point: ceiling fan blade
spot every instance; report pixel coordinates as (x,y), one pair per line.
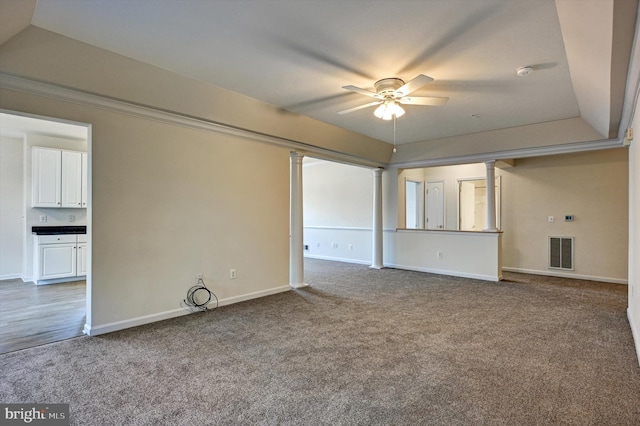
(412,85)
(423,100)
(362,91)
(346,111)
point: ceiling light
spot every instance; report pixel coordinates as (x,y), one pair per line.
(388,110)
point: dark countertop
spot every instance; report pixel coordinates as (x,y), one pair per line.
(57,230)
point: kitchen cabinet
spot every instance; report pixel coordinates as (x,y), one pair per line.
(81,256)
(59,257)
(47,177)
(84,181)
(59,178)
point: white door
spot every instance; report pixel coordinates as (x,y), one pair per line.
(435,205)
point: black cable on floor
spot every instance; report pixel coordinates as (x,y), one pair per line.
(199,296)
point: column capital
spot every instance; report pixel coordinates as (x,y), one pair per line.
(296,156)
(490,164)
(378,171)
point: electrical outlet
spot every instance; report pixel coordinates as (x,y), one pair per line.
(439,255)
(72,218)
(232,274)
(43,218)
(550,219)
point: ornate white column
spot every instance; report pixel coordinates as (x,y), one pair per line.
(296,230)
(491,197)
(376,257)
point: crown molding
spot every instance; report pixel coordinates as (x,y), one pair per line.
(66,94)
(511,154)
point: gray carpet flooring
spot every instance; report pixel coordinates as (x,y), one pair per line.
(359,347)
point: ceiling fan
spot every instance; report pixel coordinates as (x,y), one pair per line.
(391,92)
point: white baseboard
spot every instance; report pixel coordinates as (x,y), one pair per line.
(445,272)
(10,277)
(338,259)
(254,295)
(160,316)
(635,333)
(565,275)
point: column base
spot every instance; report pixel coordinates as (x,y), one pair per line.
(376,267)
(299,285)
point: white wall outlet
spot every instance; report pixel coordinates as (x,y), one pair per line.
(72,218)
(550,219)
(439,255)
(232,274)
(43,218)
(334,245)
(350,246)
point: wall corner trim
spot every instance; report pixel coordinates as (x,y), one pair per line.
(635,333)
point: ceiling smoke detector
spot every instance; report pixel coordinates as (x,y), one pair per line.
(524,71)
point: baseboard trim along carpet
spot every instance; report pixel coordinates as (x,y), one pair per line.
(445,272)
(147,319)
(339,259)
(566,275)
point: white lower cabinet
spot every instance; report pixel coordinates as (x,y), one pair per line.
(81,256)
(59,257)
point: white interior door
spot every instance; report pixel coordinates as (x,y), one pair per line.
(435,205)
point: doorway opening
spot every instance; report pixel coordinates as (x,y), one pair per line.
(35,313)
(414,200)
(472,200)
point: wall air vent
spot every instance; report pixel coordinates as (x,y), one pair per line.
(561,253)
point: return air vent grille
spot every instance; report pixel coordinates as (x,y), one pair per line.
(561,253)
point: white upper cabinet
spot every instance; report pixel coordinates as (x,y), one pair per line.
(71,179)
(84,180)
(47,177)
(59,178)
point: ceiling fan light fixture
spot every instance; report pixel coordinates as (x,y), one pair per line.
(388,110)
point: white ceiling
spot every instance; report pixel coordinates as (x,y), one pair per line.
(297,55)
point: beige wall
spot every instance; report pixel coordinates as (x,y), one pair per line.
(592,186)
(168,203)
(337,195)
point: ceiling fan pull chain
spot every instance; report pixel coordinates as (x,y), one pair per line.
(394,135)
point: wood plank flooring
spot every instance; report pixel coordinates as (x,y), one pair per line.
(32,315)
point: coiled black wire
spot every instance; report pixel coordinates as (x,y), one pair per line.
(199,296)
